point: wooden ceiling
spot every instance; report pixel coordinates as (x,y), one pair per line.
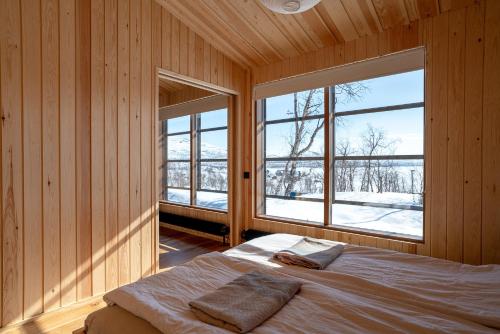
(169,86)
(253,35)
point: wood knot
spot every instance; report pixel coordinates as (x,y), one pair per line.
(479,39)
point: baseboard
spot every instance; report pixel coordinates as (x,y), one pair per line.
(193,232)
(69,316)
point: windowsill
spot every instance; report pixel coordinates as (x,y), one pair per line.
(194,207)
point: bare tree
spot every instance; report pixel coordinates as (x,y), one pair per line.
(302,136)
(304,132)
(374,143)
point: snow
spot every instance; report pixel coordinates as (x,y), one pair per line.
(390,221)
(385,198)
(401,222)
(203,198)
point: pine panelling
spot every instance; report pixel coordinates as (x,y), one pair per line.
(83,151)
(135,139)
(439,102)
(455,173)
(166,23)
(67,127)
(32,135)
(474,55)
(146,133)
(111,140)
(461,139)
(491,136)
(254,36)
(12,162)
(97,147)
(156,137)
(123,143)
(78,142)
(50,154)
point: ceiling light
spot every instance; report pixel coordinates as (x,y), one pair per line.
(289,6)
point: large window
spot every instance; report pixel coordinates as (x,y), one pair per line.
(293,155)
(195,160)
(379,154)
(374,133)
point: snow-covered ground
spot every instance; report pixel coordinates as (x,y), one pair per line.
(386,220)
(385,198)
(203,198)
(393,221)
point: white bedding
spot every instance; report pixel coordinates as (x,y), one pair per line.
(329,301)
(469,292)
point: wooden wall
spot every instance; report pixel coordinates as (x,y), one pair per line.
(182,95)
(78,107)
(462,136)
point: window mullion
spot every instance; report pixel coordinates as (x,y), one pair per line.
(193,161)
(326,158)
(165,159)
(198,151)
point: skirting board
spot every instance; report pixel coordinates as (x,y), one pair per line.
(193,232)
(57,319)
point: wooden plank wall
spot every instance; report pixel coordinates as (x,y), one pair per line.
(462,210)
(77,89)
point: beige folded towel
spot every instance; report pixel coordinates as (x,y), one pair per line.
(311,253)
(246,302)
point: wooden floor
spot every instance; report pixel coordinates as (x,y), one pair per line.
(178,247)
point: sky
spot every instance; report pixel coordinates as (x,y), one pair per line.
(402,127)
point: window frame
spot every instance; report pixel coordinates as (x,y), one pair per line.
(195,161)
(261,160)
(329,163)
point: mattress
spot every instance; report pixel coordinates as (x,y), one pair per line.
(116,320)
(364,290)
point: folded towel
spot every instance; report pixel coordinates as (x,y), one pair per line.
(246,302)
(311,253)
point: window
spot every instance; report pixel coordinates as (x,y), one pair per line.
(195,160)
(176,169)
(375,137)
(211,157)
(378,158)
(293,156)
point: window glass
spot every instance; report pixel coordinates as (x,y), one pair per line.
(178,175)
(285,140)
(211,200)
(213,176)
(211,172)
(395,132)
(281,107)
(179,147)
(293,158)
(371,194)
(380,92)
(179,124)
(213,119)
(213,144)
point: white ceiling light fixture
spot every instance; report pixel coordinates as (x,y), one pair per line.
(289,6)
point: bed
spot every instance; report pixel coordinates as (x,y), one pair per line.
(364,290)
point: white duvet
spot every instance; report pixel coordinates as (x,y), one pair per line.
(465,291)
(330,301)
